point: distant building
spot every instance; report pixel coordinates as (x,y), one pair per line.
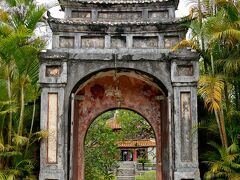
(132,149)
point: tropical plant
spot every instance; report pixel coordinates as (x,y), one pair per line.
(101,151)
(223,162)
(216,37)
(19,49)
(133,125)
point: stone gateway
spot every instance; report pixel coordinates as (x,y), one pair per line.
(111,54)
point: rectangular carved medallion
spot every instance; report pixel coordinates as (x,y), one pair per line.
(145,42)
(118,42)
(66,42)
(170,41)
(52,128)
(120,15)
(184,70)
(81,14)
(53,70)
(186,126)
(93,42)
(158,14)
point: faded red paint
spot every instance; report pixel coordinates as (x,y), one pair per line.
(105,92)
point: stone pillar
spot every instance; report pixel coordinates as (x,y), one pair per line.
(184,75)
(53,77)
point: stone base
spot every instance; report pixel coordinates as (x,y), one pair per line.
(52,175)
(194,174)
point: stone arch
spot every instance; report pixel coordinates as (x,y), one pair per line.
(158,76)
(119,88)
(122,109)
(145,119)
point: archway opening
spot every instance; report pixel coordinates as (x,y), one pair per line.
(120,143)
(117,89)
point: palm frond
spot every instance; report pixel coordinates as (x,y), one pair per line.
(2,147)
(231,65)
(20,140)
(3,176)
(37,136)
(9,110)
(33,16)
(186,43)
(233,148)
(11,3)
(210,88)
(3,16)
(226,34)
(10,154)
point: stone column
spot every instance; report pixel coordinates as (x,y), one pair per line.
(53,77)
(184,75)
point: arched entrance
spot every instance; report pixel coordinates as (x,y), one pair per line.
(119,88)
(119,143)
(91,47)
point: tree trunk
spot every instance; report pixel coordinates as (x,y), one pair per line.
(226,96)
(221,127)
(236,96)
(32,122)
(10,113)
(20,125)
(200,19)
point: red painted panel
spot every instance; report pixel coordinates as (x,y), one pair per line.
(121,91)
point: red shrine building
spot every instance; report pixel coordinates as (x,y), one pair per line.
(131,149)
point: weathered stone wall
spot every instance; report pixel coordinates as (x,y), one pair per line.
(136,41)
(71,70)
(98,41)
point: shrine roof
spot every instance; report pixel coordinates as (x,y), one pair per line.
(137,143)
(113,123)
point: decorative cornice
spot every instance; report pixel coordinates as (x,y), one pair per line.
(78,21)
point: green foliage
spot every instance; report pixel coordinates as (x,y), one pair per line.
(223,163)
(211,88)
(134,126)
(143,160)
(150,175)
(216,37)
(101,151)
(19,49)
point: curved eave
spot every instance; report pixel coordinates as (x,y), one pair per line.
(75,21)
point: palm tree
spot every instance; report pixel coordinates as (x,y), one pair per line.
(19,50)
(216,38)
(18,45)
(224,163)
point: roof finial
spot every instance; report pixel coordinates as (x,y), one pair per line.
(116,114)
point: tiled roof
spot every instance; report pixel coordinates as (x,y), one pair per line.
(117,1)
(137,143)
(113,123)
(77,21)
